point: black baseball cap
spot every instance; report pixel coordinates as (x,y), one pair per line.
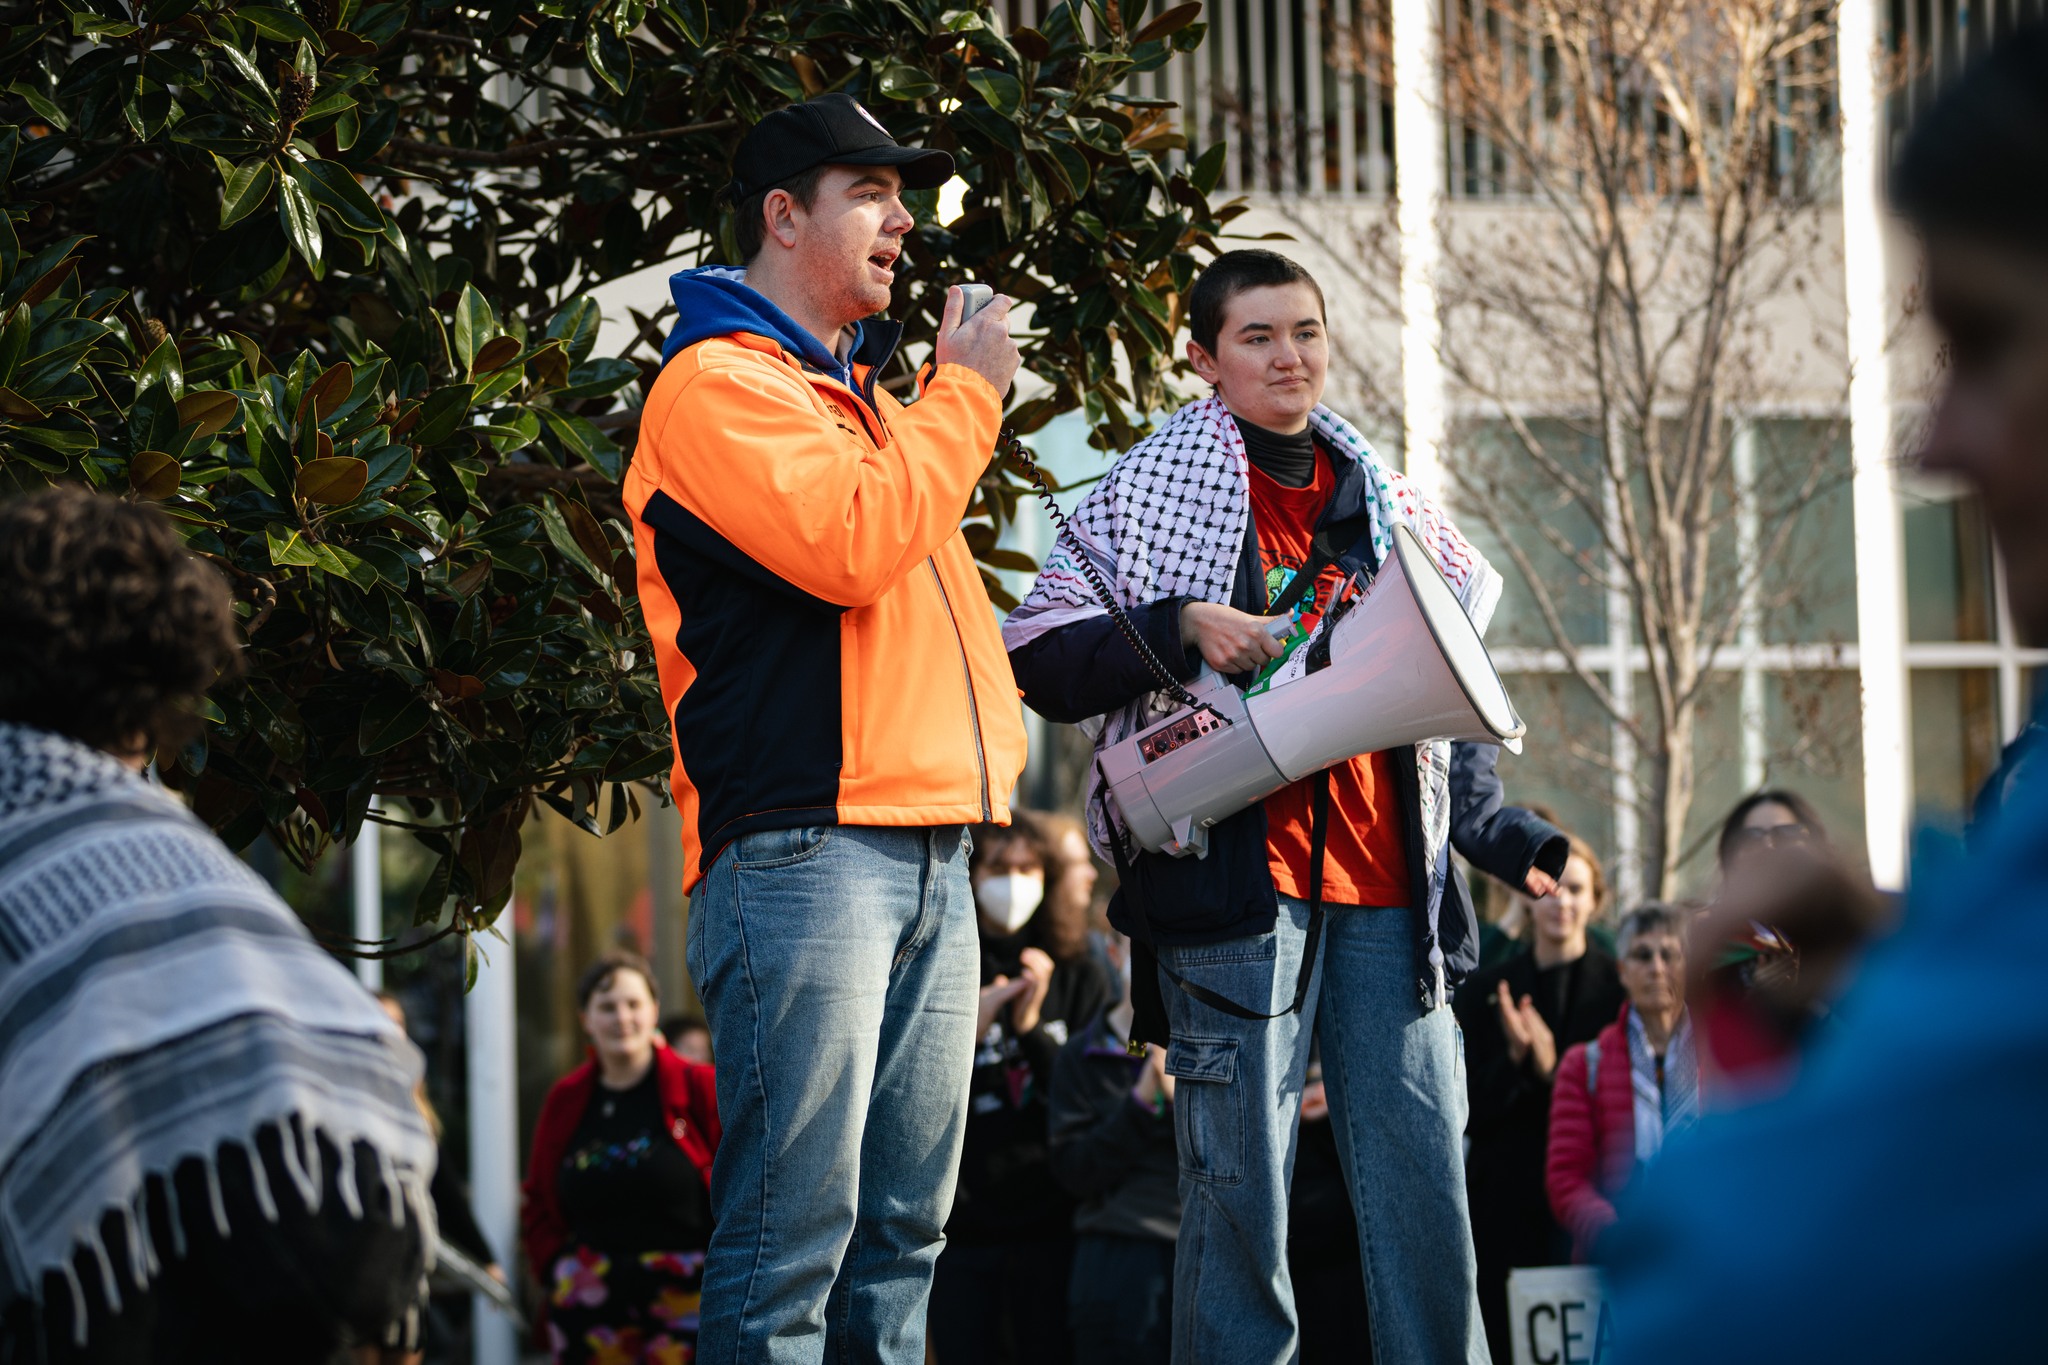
(829,130)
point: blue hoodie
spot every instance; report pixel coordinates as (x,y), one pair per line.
(1892,1206)
(715,301)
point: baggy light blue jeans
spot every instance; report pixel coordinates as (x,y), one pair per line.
(839,969)
(1396,1082)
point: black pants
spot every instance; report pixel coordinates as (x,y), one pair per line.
(1120,1301)
(303,1290)
(1001,1303)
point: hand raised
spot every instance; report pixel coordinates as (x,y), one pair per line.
(1542,1042)
(982,343)
(1511,1023)
(1036,981)
(994,996)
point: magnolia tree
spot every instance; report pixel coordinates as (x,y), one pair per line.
(315,279)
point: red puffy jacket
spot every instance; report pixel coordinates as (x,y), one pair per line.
(1592,1137)
(689,1101)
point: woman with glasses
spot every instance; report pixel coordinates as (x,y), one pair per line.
(1619,1097)
(1768,819)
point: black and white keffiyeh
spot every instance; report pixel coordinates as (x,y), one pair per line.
(1169,520)
(157,1001)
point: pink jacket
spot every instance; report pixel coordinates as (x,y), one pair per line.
(1592,1137)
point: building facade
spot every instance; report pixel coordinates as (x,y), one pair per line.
(1870,665)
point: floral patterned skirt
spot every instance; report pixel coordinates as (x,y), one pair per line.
(625,1309)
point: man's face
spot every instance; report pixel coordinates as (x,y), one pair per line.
(847,242)
(1272,354)
(1990,427)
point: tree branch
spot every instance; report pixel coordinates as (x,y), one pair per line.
(533,152)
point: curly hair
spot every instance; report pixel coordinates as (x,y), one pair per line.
(111,632)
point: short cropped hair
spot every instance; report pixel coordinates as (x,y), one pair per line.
(1230,275)
(599,974)
(750,229)
(1651,917)
(1976,163)
(111,631)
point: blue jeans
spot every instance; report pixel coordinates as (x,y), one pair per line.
(839,968)
(1396,1083)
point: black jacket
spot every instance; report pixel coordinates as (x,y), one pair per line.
(1110,1152)
(1007,1192)
(1510,1105)
(1088,668)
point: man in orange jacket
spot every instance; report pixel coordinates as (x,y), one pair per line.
(842,709)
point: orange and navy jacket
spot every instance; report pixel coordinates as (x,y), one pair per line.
(827,652)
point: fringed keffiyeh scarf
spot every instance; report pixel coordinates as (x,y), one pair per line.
(157,1000)
(1169,520)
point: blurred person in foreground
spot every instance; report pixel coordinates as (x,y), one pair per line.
(1891,1204)
(618,1207)
(1518,1017)
(209,1148)
(1621,1095)
(1112,1148)
(1002,1279)
(842,712)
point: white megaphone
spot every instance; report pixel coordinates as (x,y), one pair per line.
(1405,665)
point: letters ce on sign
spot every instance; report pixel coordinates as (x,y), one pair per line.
(1559,1316)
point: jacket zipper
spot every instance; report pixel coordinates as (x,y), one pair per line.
(967,678)
(863,402)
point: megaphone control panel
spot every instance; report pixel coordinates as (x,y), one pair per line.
(1181,730)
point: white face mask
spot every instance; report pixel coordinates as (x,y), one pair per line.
(1009,900)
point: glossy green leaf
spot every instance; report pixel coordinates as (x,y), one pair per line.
(474,325)
(334,187)
(246,188)
(386,724)
(1002,90)
(904,82)
(281,25)
(301,227)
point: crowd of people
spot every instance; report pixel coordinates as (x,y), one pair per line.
(1581,1059)
(1284,1100)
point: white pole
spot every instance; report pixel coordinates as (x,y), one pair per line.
(1880,583)
(1750,628)
(366,890)
(491,1026)
(1419,192)
(1621,683)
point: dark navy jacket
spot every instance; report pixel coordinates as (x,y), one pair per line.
(1088,668)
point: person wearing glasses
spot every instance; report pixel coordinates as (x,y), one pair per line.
(1621,1096)
(1771,818)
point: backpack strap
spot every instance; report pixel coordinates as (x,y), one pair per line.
(1593,1067)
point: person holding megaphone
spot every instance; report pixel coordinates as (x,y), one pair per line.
(1330,907)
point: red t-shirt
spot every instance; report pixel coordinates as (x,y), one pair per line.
(1364,862)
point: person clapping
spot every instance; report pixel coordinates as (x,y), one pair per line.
(1009,1241)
